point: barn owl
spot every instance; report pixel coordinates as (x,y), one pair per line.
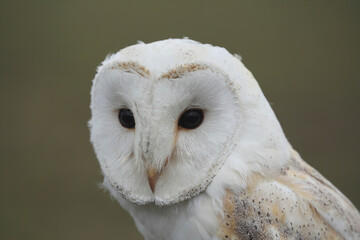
(191,148)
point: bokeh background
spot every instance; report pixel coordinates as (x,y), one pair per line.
(305,55)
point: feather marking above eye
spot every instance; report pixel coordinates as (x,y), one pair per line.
(183,69)
(131,67)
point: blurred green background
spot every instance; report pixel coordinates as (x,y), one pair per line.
(305,55)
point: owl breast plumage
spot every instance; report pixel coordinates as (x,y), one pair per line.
(191,148)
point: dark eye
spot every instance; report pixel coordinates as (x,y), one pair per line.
(191,118)
(126,118)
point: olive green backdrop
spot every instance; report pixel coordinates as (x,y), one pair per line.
(305,55)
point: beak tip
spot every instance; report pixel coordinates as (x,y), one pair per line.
(152,184)
(152,178)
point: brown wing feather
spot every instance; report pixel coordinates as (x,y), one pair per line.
(299,203)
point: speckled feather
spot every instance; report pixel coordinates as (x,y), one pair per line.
(297,203)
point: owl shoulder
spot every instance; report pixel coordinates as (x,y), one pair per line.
(298,203)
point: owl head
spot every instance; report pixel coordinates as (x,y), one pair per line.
(166,117)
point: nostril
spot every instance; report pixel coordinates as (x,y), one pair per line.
(147,146)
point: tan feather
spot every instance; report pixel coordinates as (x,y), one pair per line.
(298,203)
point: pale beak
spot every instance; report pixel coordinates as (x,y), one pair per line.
(153,175)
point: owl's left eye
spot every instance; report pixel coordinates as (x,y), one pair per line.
(191,118)
(126,118)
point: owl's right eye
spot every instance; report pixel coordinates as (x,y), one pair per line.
(191,118)
(126,118)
